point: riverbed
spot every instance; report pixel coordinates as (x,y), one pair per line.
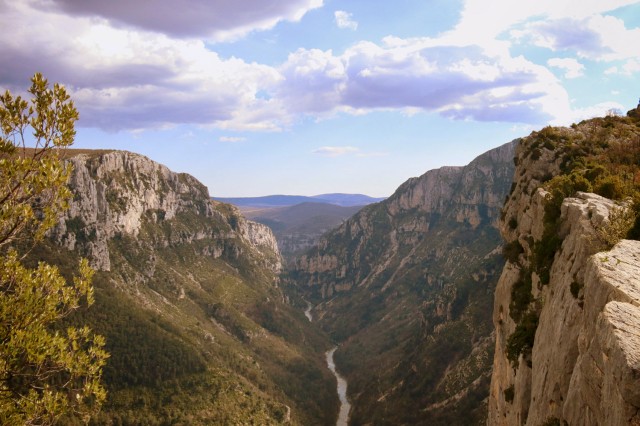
(345,407)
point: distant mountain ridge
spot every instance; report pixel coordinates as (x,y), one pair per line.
(298,227)
(345,200)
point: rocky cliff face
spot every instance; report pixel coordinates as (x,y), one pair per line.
(406,286)
(387,234)
(116,192)
(188,298)
(566,313)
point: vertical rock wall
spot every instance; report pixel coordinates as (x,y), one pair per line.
(584,365)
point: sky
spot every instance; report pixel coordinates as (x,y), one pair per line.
(260,97)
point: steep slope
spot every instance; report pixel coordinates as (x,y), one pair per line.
(567,306)
(405,286)
(298,227)
(188,298)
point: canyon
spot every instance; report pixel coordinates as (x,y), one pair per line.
(501,292)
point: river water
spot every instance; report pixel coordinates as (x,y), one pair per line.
(345,407)
(307,312)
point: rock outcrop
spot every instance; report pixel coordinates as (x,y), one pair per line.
(368,244)
(566,313)
(406,286)
(116,192)
(188,298)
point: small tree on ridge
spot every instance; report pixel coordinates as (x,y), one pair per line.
(45,372)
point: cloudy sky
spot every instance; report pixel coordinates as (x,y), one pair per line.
(257,97)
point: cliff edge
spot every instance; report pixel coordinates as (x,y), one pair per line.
(567,305)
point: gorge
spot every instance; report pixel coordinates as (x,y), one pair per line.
(441,304)
(416,343)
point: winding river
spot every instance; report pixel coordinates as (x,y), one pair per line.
(345,407)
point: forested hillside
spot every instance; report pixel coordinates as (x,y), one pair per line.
(188,299)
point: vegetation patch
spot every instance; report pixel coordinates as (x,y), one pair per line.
(509,393)
(621,220)
(521,296)
(522,339)
(512,251)
(77,226)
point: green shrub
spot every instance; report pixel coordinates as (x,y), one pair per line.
(512,250)
(509,393)
(535,154)
(610,187)
(544,252)
(634,232)
(521,295)
(621,221)
(559,188)
(522,339)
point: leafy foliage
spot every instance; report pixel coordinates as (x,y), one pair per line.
(521,295)
(621,220)
(522,339)
(512,250)
(45,372)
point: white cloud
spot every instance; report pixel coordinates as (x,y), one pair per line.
(335,151)
(632,66)
(611,70)
(232,139)
(124,79)
(345,20)
(217,20)
(629,68)
(572,68)
(598,110)
(461,82)
(482,21)
(597,37)
(312,81)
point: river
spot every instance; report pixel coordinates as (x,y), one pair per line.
(345,407)
(307,312)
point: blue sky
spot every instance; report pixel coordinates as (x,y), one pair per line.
(258,97)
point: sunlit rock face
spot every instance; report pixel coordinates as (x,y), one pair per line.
(116,192)
(584,361)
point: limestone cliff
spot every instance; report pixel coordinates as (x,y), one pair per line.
(189,301)
(117,191)
(406,286)
(567,313)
